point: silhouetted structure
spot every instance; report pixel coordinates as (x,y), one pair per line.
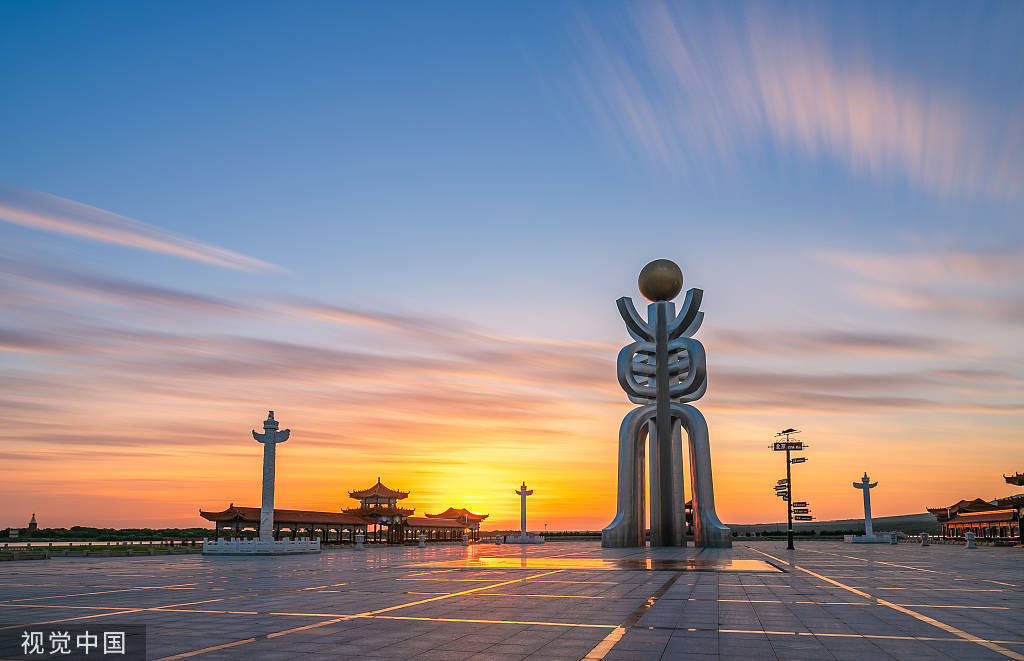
(661,371)
(327,526)
(378,518)
(997,521)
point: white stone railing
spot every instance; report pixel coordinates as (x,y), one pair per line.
(260,547)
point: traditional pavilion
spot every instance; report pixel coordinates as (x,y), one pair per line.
(379,518)
(396,525)
(379,504)
(327,526)
(997,521)
(463,516)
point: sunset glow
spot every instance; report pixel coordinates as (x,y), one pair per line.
(412,252)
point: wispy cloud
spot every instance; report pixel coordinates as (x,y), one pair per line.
(94,287)
(929,268)
(449,409)
(962,284)
(688,87)
(50,213)
(828,342)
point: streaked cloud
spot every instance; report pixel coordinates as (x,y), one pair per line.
(100,288)
(689,85)
(50,213)
(946,267)
(829,342)
(962,284)
(442,407)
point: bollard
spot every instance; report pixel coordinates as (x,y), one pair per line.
(423,541)
(970,540)
(360,538)
(924,539)
(893,539)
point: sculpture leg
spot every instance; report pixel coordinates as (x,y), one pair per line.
(677,535)
(627,529)
(666,475)
(708,530)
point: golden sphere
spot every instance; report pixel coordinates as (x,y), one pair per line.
(661,280)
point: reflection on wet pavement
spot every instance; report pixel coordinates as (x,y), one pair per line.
(662,564)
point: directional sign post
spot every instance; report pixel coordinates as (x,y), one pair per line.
(784,488)
(801,510)
(803,518)
(799,503)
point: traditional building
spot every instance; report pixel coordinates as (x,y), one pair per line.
(964,506)
(378,517)
(327,526)
(463,516)
(379,505)
(998,521)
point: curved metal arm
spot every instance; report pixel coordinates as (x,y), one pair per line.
(638,328)
(694,326)
(687,314)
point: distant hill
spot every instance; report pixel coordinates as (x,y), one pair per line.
(908,523)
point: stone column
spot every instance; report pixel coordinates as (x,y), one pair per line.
(866,485)
(269,438)
(523,493)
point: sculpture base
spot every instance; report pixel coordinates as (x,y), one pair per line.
(260,547)
(865,539)
(527,539)
(719,539)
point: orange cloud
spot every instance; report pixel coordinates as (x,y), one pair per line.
(108,421)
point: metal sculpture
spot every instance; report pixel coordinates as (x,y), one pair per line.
(662,370)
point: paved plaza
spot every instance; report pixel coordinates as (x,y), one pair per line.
(570,600)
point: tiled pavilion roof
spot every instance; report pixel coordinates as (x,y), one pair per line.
(433,522)
(378,490)
(376,512)
(984,517)
(459,514)
(252,514)
(976,505)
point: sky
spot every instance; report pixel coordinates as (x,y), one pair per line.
(404,226)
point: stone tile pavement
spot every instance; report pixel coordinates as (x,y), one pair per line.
(571,600)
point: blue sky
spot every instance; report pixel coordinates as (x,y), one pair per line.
(843,180)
